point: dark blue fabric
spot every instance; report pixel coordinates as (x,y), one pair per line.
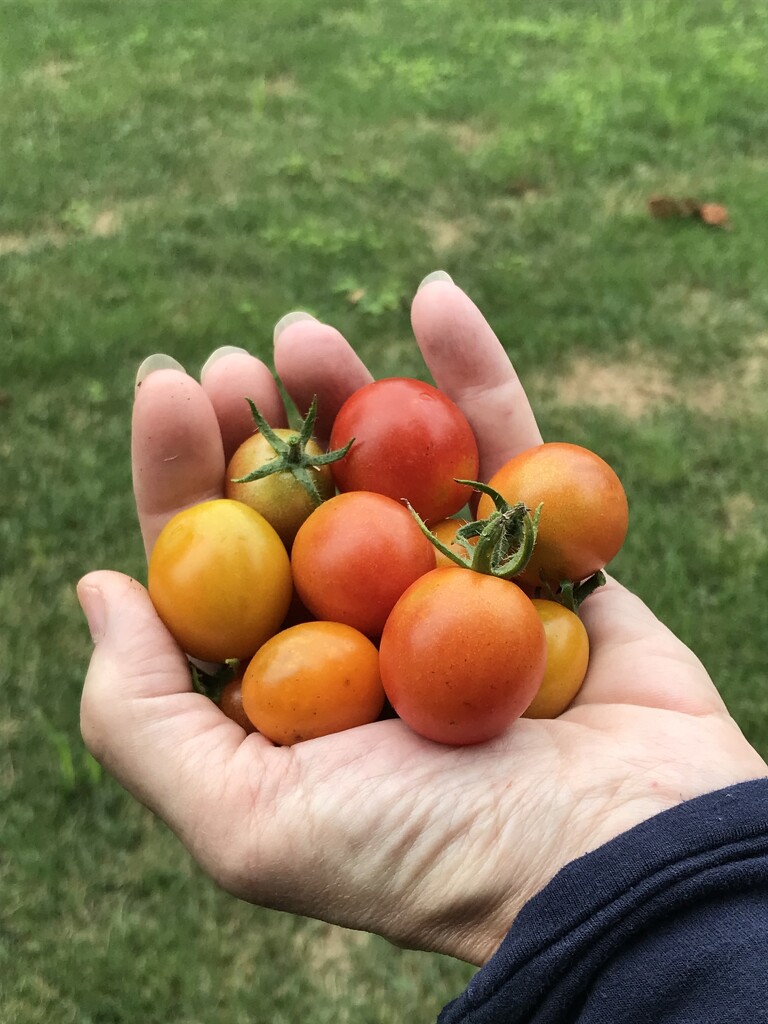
(666,924)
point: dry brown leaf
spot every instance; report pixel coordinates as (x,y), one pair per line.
(668,208)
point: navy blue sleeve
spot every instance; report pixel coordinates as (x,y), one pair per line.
(666,924)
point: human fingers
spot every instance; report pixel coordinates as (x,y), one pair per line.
(312,358)
(468,363)
(180,429)
(176,449)
(229,376)
(140,716)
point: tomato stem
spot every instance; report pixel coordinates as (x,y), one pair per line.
(212,685)
(291,455)
(505,540)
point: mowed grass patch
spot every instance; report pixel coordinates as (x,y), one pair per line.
(176,177)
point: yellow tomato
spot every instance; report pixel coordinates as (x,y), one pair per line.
(220,579)
(567,660)
(280,497)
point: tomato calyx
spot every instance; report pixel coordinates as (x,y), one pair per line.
(504,541)
(291,455)
(211,684)
(569,594)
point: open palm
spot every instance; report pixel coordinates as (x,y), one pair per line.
(376,828)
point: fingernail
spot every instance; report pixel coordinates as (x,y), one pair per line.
(158,361)
(225,350)
(95,610)
(436,275)
(288,319)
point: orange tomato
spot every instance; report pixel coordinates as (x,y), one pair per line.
(462,655)
(584,514)
(311,680)
(445,531)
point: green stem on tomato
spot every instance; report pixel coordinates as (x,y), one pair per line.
(291,455)
(505,540)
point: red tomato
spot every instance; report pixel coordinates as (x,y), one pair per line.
(220,579)
(462,655)
(311,680)
(410,442)
(584,515)
(354,557)
(567,660)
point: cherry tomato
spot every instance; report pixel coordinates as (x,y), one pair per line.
(354,557)
(220,579)
(584,515)
(231,703)
(410,442)
(311,680)
(567,660)
(462,655)
(445,531)
(280,497)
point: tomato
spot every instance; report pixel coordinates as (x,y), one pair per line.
(354,557)
(445,531)
(220,579)
(410,442)
(584,515)
(231,703)
(280,498)
(567,660)
(462,655)
(311,680)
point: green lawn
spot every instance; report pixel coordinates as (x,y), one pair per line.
(177,176)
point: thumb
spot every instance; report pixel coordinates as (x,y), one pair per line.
(139,714)
(130,642)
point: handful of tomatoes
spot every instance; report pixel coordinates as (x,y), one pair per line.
(331,604)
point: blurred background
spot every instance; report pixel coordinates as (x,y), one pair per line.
(176,176)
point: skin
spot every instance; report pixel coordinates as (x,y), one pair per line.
(433,847)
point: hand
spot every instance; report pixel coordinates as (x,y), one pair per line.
(375,828)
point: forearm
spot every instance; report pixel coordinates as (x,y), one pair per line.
(666,923)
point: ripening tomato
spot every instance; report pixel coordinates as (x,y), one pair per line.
(231,703)
(354,557)
(411,441)
(446,531)
(462,655)
(220,579)
(584,514)
(311,680)
(567,660)
(280,497)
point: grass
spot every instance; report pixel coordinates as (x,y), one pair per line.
(176,177)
